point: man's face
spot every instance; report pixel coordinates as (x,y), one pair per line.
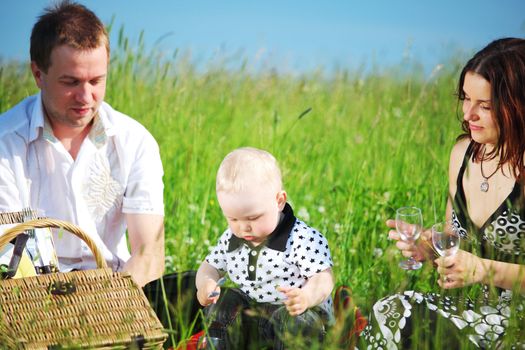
(74,86)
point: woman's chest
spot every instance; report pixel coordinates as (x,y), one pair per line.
(483,198)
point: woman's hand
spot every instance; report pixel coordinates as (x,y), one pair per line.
(460,269)
(419,250)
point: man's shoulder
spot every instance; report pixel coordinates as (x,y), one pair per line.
(17,118)
(126,131)
(121,123)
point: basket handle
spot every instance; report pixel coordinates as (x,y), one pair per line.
(53,223)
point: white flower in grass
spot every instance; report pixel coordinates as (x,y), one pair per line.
(321,209)
(303,214)
(337,228)
(378,252)
(169,261)
(189,240)
(193,207)
(397,112)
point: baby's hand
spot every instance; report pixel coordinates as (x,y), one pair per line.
(296,300)
(209,294)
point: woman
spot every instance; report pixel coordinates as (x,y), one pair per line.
(487,205)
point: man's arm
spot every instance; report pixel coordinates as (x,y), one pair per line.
(14,187)
(146,238)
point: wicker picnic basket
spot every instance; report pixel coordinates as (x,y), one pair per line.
(82,309)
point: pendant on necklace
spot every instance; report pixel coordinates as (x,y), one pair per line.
(484,187)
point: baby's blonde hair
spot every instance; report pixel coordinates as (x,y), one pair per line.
(247,167)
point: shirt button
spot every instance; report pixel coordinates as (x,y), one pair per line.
(254,253)
(251,268)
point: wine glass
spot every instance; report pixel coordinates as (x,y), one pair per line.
(409,224)
(208,342)
(445,238)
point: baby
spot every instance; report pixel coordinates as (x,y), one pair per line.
(281,266)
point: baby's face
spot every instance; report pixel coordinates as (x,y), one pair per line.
(254,214)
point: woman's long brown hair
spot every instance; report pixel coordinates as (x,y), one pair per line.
(502,64)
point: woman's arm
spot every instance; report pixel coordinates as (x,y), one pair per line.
(504,275)
(464,268)
(423,250)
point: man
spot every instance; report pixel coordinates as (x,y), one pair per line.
(73,157)
(70,155)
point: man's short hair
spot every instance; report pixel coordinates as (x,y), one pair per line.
(246,167)
(66,23)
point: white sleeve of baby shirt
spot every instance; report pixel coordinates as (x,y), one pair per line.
(312,252)
(217,257)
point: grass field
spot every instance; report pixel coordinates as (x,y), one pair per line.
(370,143)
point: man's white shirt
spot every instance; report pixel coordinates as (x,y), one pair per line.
(117,171)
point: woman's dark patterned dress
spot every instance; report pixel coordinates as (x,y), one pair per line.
(456,317)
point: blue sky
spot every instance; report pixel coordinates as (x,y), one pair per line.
(295,35)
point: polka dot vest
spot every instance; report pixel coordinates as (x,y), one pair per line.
(291,254)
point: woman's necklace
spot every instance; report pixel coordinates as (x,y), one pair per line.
(484,187)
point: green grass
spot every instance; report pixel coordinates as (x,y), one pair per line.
(371,143)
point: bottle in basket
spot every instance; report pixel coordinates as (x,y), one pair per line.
(40,246)
(47,261)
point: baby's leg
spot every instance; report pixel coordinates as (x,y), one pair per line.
(297,332)
(222,317)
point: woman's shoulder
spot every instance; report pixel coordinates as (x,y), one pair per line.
(456,159)
(458,152)
(460,148)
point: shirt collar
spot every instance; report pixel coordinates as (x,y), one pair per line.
(102,127)
(99,133)
(37,119)
(277,239)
